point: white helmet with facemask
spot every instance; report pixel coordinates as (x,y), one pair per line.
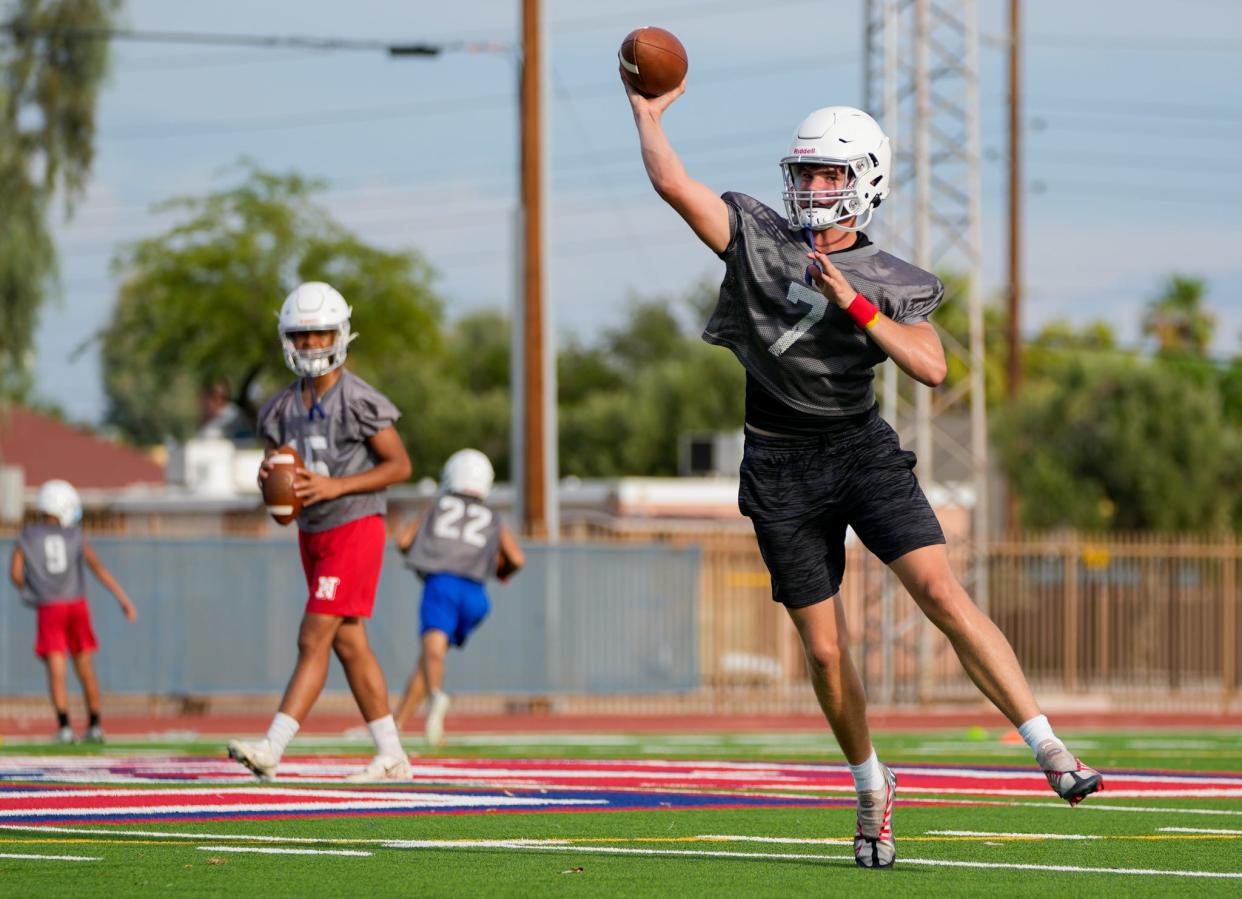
(58,499)
(838,136)
(468,471)
(315,306)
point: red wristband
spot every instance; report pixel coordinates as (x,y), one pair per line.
(861,309)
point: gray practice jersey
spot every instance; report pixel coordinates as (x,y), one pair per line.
(460,536)
(802,347)
(332,442)
(53,557)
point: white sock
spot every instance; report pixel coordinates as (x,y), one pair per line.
(869,775)
(280,732)
(384,733)
(1035,731)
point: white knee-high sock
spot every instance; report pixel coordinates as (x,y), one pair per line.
(281,731)
(384,733)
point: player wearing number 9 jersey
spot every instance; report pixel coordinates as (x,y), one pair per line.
(48,569)
(810,306)
(454,549)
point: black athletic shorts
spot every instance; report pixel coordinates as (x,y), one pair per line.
(801,493)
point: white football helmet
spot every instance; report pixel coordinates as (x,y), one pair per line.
(844,136)
(315,306)
(58,499)
(468,471)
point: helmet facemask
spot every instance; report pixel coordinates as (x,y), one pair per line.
(313,363)
(823,209)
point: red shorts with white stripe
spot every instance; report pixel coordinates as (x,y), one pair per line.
(64,627)
(342,566)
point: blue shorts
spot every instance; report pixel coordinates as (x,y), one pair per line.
(454,605)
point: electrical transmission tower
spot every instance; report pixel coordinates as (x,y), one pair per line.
(921,81)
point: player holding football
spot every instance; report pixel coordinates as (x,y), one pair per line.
(810,306)
(454,548)
(343,429)
(47,569)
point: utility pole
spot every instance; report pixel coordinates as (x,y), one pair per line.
(1014,329)
(1015,198)
(537,420)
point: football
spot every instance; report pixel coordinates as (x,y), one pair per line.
(653,61)
(282,503)
(504,568)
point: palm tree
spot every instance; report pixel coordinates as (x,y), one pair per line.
(1177,318)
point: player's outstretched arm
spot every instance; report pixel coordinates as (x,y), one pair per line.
(105,577)
(392,468)
(512,552)
(17,568)
(694,201)
(406,538)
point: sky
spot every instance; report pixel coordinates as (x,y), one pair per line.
(1132,120)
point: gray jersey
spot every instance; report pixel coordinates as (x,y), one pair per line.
(54,563)
(332,442)
(460,536)
(800,346)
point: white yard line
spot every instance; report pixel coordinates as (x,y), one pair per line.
(1027,836)
(797,856)
(1200,830)
(1090,804)
(51,858)
(272,850)
(175,835)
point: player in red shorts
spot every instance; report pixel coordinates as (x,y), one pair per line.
(343,429)
(47,569)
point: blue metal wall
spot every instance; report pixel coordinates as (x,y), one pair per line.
(221,616)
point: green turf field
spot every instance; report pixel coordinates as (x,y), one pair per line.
(1148,846)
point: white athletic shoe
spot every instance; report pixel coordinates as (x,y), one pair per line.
(383,768)
(436,709)
(65,735)
(874,846)
(258,757)
(93,734)
(1071,779)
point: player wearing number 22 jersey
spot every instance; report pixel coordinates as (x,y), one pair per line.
(456,547)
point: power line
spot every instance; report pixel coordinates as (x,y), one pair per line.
(1159,44)
(22,31)
(311,118)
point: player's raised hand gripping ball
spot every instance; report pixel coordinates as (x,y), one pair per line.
(653,61)
(282,503)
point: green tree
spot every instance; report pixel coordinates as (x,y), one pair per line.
(1105,441)
(625,402)
(196,305)
(50,80)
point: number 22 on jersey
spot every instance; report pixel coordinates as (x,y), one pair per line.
(450,525)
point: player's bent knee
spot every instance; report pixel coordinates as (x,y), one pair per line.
(943,601)
(824,655)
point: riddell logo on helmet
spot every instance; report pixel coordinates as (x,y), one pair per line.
(804,151)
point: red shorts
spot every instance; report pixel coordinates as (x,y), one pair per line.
(342,566)
(64,627)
